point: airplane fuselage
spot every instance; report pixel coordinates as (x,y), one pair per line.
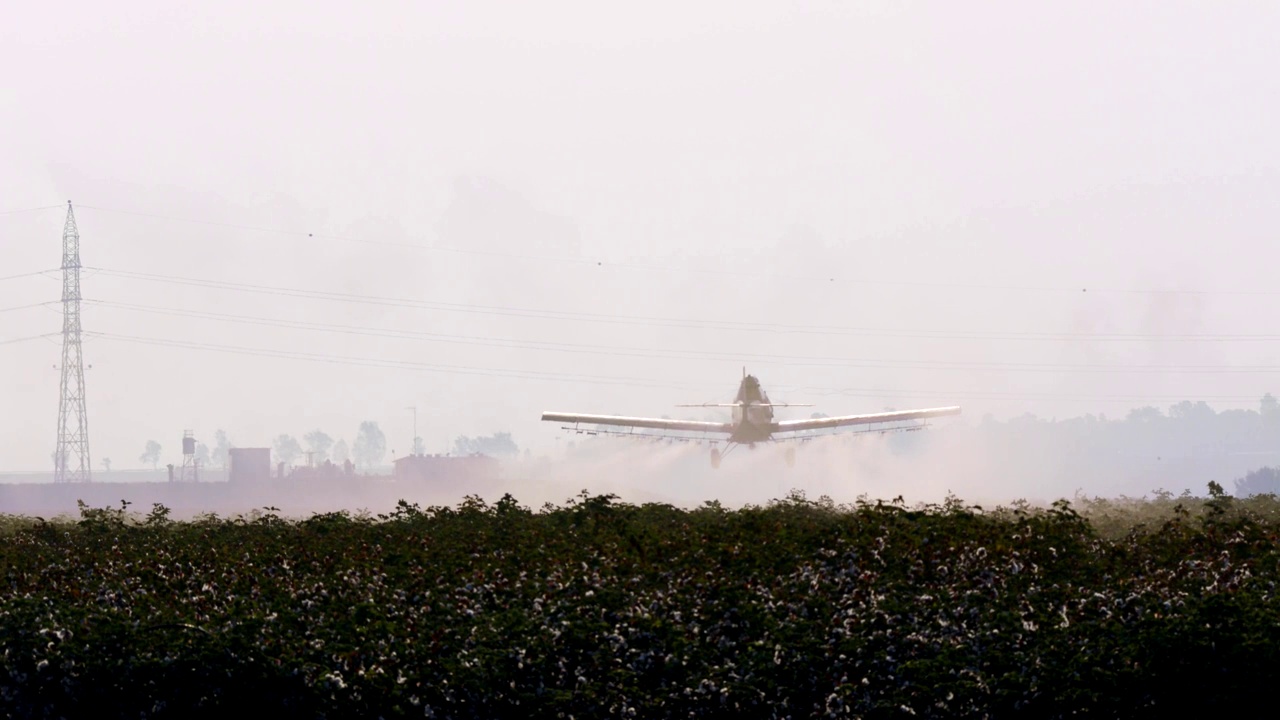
(753,415)
(752,423)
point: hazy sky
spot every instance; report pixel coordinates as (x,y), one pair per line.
(585,201)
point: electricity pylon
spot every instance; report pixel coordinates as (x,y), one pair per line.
(71,461)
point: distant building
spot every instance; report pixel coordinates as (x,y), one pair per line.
(328,470)
(250,465)
(437,468)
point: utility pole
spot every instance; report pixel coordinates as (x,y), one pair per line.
(73,422)
(413,446)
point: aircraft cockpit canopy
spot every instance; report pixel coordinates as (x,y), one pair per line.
(750,391)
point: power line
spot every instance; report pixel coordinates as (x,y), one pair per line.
(597,262)
(28,307)
(506,343)
(473,308)
(29,337)
(600,262)
(996,395)
(834,362)
(387,363)
(364,241)
(30,274)
(27,210)
(657,321)
(402,334)
(696,324)
(639,382)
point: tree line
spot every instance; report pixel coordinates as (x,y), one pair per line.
(1184,445)
(369,448)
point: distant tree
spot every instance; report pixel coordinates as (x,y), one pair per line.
(419,447)
(502,444)
(341,453)
(1144,414)
(318,443)
(1187,410)
(221,455)
(370,445)
(495,445)
(1259,482)
(286,449)
(202,455)
(152,454)
(106,464)
(1269,407)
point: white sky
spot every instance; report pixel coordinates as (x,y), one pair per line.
(1002,168)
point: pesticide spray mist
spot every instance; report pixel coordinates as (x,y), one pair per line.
(921,467)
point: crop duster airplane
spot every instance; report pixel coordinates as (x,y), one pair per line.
(752,422)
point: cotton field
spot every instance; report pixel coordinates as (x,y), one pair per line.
(597,608)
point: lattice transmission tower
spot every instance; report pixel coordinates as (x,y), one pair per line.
(71,460)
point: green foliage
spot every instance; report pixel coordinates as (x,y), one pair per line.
(370,445)
(286,449)
(319,443)
(158,517)
(598,607)
(151,454)
(221,453)
(103,519)
(1265,480)
(496,445)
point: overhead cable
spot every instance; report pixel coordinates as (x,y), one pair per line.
(602,262)
(697,324)
(835,362)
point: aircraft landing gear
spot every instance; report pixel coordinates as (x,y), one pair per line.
(715,457)
(791,457)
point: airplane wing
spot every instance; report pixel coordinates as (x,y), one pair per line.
(871,419)
(639,422)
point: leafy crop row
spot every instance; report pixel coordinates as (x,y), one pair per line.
(603,609)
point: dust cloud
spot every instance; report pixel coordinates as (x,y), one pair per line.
(984,462)
(842,468)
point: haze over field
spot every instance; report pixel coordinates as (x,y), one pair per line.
(583,207)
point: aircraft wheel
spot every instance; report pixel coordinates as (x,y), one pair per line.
(715,457)
(791,457)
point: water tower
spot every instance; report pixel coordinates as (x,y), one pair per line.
(190,473)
